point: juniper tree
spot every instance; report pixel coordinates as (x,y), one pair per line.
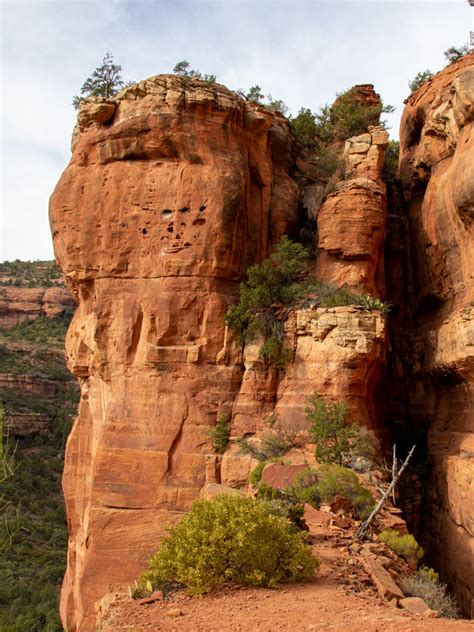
(105,81)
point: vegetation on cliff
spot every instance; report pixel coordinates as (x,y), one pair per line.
(29,273)
(229,539)
(31,569)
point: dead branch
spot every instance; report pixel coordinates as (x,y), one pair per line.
(365,525)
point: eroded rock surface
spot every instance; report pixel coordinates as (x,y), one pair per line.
(18,304)
(433,287)
(173,190)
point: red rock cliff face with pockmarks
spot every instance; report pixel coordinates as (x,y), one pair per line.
(166,201)
(434,330)
(173,190)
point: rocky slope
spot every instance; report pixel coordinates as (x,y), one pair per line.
(430,255)
(39,397)
(173,190)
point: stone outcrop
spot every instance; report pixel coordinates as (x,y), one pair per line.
(352,219)
(20,303)
(173,190)
(430,274)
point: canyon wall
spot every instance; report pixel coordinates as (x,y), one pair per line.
(175,188)
(430,254)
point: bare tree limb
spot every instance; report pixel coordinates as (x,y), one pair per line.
(365,525)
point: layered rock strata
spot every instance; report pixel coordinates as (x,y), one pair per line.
(431,278)
(173,190)
(19,303)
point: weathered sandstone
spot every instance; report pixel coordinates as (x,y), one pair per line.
(18,304)
(173,190)
(433,331)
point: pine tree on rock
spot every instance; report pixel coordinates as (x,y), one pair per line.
(105,81)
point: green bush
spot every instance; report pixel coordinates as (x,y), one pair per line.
(220,434)
(336,440)
(390,163)
(425,584)
(454,53)
(305,486)
(369,303)
(284,503)
(229,539)
(419,80)
(274,282)
(403,545)
(335,480)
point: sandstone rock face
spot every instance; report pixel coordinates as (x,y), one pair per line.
(352,220)
(434,354)
(18,304)
(173,190)
(155,220)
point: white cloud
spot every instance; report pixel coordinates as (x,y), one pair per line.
(301,51)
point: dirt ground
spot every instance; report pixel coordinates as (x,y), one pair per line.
(341,599)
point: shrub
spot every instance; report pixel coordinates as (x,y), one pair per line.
(419,80)
(369,303)
(306,488)
(336,440)
(335,480)
(425,585)
(274,282)
(270,445)
(390,164)
(256,474)
(454,53)
(230,539)
(403,545)
(220,434)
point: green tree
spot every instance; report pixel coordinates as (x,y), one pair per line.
(105,81)
(272,283)
(255,94)
(334,436)
(419,80)
(454,53)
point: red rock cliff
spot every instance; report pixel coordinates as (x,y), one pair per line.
(173,189)
(431,254)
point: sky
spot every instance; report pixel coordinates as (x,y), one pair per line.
(300,51)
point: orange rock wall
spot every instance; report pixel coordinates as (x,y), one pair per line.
(434,327)
(173,190)
(18,304)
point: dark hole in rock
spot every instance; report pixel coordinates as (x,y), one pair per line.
(202,208)
(167,213)
(144,231)
(170,229)
(199,222)
(187,243)
(185,209)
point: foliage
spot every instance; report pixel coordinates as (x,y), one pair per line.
(425,584)
(304,128)
(270,446)
(256,474)
(369,303)
(390,164)
(272,283)
(105,81)
(31,569)
(403,545)
(335,438)
(255,94)
(230,539)
(305,486)
(421,78)
(335,480)
(220,434)
(276,105)
(454,53)
(183,68)
(29,273)
(284,503)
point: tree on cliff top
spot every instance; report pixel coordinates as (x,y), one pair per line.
(105,81)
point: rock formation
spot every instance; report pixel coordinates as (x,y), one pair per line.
(430,257)
(27,303)
(173,190)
